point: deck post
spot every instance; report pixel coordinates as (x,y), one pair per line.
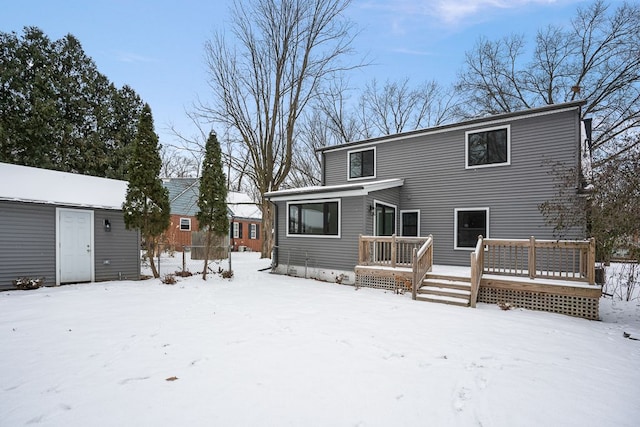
(393,250)
(532,257)
(591,264)
(414,281)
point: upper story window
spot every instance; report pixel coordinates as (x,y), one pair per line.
(185,224)
(314,218)
(362,163)
(488,147)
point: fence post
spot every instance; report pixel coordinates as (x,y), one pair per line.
(532,257)
(184,259)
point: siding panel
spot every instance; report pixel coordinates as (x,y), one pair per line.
(27,242)
(117,252)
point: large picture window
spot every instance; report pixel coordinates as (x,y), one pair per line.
(362,163)
(314,218)
(469,224)
(488,147)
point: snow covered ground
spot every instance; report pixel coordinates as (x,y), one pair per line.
(267,350)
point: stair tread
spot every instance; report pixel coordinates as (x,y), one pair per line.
(427,288)
(446,283)
(444,299)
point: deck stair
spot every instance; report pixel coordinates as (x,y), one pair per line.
(454,290)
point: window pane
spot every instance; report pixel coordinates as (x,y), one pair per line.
(367,163)
(487,147)
(312,218)
(294,221)
(410,223)
(332,218)
(471,224)
(355,165)
(385,220)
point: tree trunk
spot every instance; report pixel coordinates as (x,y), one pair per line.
(267,226)
(151,252)
(207,248)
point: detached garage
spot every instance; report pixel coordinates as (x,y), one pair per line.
(63,228)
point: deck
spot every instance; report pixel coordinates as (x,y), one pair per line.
(554,276)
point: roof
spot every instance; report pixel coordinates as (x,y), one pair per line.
(183,197)
(497,118)
(326,191)
(35,185)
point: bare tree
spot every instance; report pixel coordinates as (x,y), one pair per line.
(596,59)
(263,80)
(397,107)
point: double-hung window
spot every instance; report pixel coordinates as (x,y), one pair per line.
(361,163)
(488,147)
(314,218)
(185,224)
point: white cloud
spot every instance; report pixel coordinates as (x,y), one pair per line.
(455,11)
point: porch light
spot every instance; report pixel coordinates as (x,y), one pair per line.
(107,225)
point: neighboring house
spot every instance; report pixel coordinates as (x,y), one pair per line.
(484,177)
(64,228)
(244,216)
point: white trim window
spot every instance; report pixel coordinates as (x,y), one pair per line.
(317,218)
(361,164)
(469,223)
(185,224)
(253,232)
(410,223)
(488,147)
(385,218)
(236,230)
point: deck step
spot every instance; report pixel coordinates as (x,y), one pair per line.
(462,302)
(447,283)
(453,292)
(445,289)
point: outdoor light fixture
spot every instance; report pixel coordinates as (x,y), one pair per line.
(107,225)
(372,210)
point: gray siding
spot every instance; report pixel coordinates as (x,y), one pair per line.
(117,252)
(28,238)
(329,253)
(436,181)
(27,242)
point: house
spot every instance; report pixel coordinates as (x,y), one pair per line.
(383,197)
(244,216)
(63,228)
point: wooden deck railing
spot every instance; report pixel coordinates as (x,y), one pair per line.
(388,251)
(422,264)
(477,264)
(551,259)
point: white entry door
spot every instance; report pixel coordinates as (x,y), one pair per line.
(75,245)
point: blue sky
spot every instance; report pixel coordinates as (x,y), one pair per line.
(156,46)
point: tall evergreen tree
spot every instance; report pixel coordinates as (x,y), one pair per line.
(146,207)
(212,201)
(57,111)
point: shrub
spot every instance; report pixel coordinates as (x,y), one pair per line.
(169,279)
(25,283)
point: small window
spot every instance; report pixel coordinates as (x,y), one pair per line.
(237,230)
(253,232)
(410,223)
(469,224)
(362,163)
(185,224)
(314,218)
(488,147)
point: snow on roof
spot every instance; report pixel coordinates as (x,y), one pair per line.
(241,205)
(28,184)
